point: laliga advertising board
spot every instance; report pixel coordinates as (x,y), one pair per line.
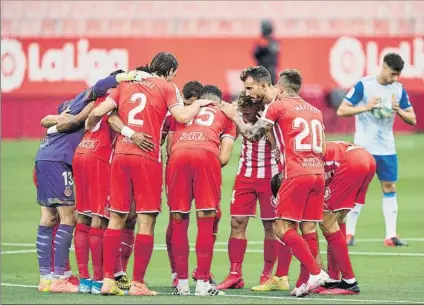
(64,66)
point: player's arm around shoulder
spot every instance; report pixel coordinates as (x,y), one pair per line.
(404,109)
(50,120)
(72,122)
(349,106)
(252,133)
(53,119)
(108,105)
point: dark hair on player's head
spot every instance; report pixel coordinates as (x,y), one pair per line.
(192,89)
(291,79)
(259,74)
(394,61)
(163,63)
(144,68)
(117,72)
(244,100)
(211,92)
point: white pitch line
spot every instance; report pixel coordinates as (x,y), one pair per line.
(17,245)
(163,248)
(18,285)
(275,297)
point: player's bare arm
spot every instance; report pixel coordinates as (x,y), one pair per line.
(346,109)
(271,138)
(53,119)
(50,120)
(225,150)
(142,140)
(183,114)
(97,113)
(407,115)
(251,133)
(71,122)
(68,123)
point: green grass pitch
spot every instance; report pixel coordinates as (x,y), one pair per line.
(385,275)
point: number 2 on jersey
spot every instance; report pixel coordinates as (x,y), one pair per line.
(141,99)
(315,129)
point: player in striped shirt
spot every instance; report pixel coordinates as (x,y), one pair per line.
(299,131)
(257,166)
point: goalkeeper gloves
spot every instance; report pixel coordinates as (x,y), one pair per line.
(132,76)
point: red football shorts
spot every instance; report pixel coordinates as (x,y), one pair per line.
(92,180)
(301,198)
(350,181)
(193,174)
(246,192)
(138,177)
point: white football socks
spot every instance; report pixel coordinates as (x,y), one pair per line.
(390,211)
(352,219)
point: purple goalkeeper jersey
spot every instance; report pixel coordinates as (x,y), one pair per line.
(61,146)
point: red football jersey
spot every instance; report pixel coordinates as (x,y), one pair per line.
(298,129)
(143,106)
(334,151)
(98,141)
(205,131)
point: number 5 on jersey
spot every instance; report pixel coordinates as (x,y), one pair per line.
(205,117)
(141,99)
(315,129)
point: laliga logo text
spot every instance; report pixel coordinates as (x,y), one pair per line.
(73,62)
(350,61)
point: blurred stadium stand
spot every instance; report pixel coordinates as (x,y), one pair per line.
(210,18)
(52,49)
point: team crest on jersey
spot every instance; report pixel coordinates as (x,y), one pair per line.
(68,191)
(327,193)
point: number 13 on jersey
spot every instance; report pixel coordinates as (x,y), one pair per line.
(310,137)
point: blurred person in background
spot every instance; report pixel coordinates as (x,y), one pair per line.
(374,101)
(267,49)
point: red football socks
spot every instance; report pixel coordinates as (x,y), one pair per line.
(299,248)
(312,241)
(180,247)
(142,253)
(169,244)
(284,258)
(111,245)
(270,255)
(96,249)
(215,224)
(127,243)
(82,250)
(303,276)
(236,250)
(204,247)
(337,243)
